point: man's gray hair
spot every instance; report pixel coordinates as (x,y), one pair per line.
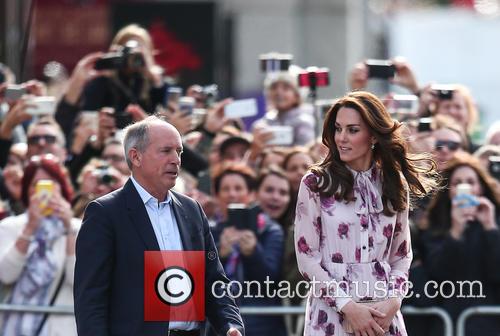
(137,136)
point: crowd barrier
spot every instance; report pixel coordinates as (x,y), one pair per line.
(297,310)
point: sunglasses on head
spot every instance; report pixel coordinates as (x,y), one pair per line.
(35,139)
(452,145)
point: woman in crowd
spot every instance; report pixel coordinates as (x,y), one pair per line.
(249,253)
(351,225)
(138,82)
(286,107)
(296,163)
(274,195)
(37,252)
(462,241)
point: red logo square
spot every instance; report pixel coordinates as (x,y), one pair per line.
(174,286)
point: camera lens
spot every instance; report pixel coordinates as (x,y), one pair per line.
(106,178)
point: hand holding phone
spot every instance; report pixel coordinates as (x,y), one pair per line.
(241,108)
(282,135)
(44,190)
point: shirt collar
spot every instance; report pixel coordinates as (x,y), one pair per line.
(145,195)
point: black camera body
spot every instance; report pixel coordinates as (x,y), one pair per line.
(382,69)
(103,175)
(494,166)
(273,62)
(126,58)
(443,92)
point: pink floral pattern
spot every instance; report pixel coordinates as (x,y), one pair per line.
(349,242)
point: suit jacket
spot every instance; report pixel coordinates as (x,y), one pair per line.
(109,272)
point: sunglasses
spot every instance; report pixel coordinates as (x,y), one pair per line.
(113,158)
(48,139)
(452,145)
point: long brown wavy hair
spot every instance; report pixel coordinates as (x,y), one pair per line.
(439,211)
(390,154)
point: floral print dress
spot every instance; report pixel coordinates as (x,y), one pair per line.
(351,250)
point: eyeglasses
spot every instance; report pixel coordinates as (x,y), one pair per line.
(113,158)
(451,145)
(47,138)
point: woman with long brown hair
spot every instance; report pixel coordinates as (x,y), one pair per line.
(462,241)
(351,227)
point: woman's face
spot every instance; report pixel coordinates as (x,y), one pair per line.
(446,144)
(465,174)
(272,158)
(42,175)
(233,189)
(273,196)
(283,96)
(297,167)
(456,108)
(353,139)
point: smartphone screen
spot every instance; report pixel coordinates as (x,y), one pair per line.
(44,189)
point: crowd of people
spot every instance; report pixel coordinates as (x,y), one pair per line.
(78,151)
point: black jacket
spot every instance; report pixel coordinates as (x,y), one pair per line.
(109,271)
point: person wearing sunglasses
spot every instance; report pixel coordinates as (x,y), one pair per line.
(449,139)
(46,137)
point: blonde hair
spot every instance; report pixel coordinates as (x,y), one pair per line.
(130,32)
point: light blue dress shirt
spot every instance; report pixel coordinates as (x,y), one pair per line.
(166,232)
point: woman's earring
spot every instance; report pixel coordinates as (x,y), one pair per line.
(373,146)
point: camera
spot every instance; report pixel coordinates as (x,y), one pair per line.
(494,166)
(103,175)
(382,69)
(274,62)
(210,94)
(443,92)
(125,58)
(425,125)
(314,77)
(14,92)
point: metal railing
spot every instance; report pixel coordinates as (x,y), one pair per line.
(436,311)
(481,310)
(296,310)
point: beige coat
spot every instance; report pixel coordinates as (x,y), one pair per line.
(12,264)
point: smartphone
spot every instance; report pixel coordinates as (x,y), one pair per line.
(14,92)
(186,105)
(464,196)
(424,125)
(443,92)
(90,119)
(242,217)
(283,136)
(45,189)
(494,166)
(383,69)
(241,108)
(43,105)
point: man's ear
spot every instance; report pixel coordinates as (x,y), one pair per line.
(135,157)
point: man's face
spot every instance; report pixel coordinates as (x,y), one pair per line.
(113,154)
(43,139)
(158,166)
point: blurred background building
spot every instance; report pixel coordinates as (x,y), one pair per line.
(219,41)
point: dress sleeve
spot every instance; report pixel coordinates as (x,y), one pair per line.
(308,250)
(400,255)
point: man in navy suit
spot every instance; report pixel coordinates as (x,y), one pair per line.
(145,215)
